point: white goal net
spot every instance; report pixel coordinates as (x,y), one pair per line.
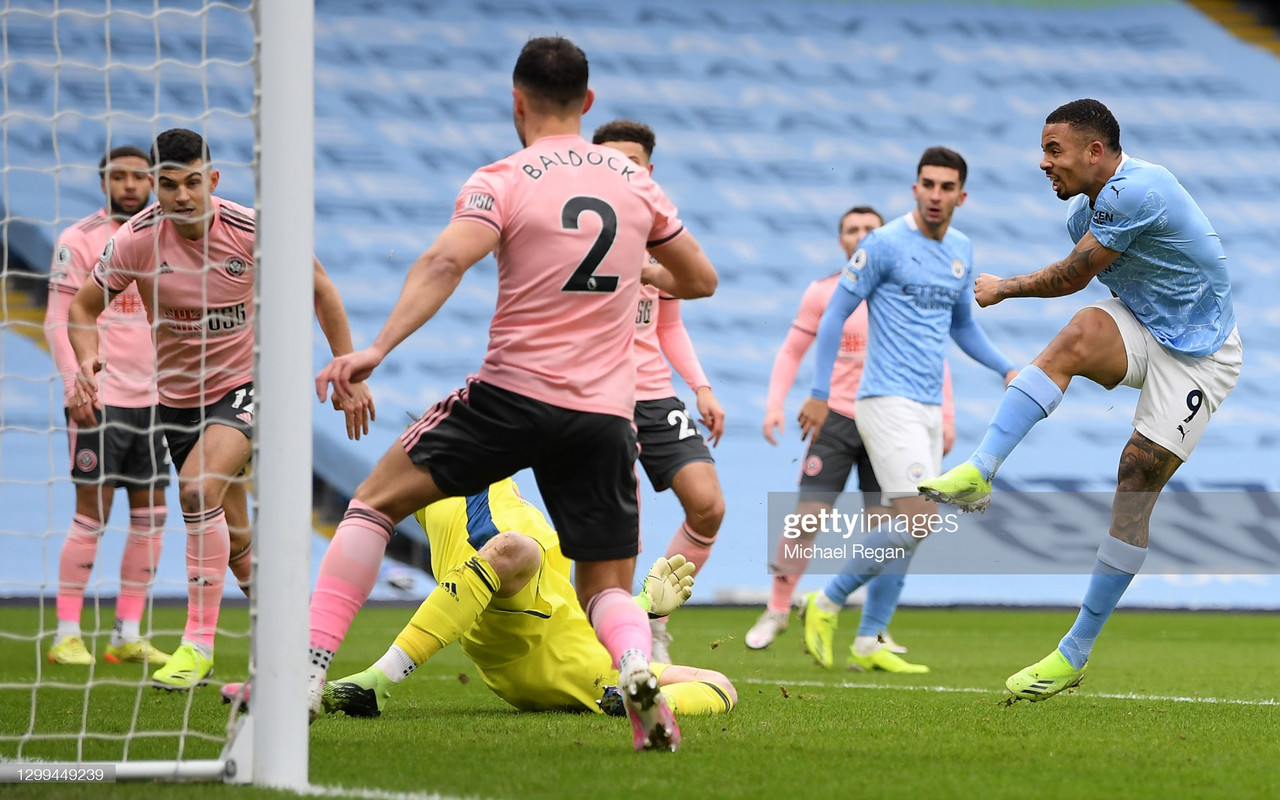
(86,588)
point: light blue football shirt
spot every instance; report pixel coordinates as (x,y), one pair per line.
(918,291)
(1172,271)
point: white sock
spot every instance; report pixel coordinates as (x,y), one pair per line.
(68,629)
(866,645)
(203,649)
(396,664)
(126,631)
(825,603)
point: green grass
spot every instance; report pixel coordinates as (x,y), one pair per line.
(799,730)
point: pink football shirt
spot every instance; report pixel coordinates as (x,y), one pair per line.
(661,338)
(124,334)
(574,220)
(853,341)
(198,294)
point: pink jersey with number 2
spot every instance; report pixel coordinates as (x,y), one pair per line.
(574,220)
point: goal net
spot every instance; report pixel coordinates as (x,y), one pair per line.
(84,587)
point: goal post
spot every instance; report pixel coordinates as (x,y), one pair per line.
(285,391)
(81,74)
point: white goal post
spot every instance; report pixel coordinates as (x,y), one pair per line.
(269,745)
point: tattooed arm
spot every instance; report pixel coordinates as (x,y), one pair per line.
(1064,277)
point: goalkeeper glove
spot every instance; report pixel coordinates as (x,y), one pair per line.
(666,587)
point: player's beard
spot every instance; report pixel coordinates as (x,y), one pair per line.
(121,212)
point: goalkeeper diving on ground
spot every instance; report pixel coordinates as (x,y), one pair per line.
(504,592)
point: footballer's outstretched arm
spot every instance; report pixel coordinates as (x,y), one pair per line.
(432,278)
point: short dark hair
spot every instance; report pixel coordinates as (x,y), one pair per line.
(553,70)
(1091,118)
(943,157)
(124,151)
(179,146)
(858,210)
(625,130)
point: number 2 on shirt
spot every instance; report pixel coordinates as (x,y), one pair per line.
(584,278)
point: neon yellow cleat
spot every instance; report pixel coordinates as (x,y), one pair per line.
(363,694)
(884,660)
(70,650)
(962,486)
(139,652)
(186,669)
(819,631)
(1045,678)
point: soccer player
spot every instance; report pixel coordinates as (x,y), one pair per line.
(672,451)
(570,222)
(118,446)
(914,274)
(532,643)
(1169,331)
(190,257)
(835,451)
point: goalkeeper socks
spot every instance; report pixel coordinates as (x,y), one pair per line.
(208,544)
(697,697)
(74,566)
(694,547)
(450,610)
(872,561)
(396,664)
(883,592)
(348,572)
(1032,395)
(620,624)
(1117,563)
(138,565)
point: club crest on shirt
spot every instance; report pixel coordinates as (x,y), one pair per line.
(915,472)
(63,256)
(812,466)
(957,268)
(235,266)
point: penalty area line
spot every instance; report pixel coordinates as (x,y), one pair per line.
(972,690)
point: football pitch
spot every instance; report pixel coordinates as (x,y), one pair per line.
(1174,705)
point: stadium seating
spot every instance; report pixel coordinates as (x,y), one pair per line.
(771,120)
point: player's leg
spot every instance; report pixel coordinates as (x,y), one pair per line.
(1179,395)
(503,567)
(883,590)
(586,475)
(1145,467)
(690,690)
(240,531)
(674,455)
(219,454)
(144,474)
(904,441)
(827,465)
(80,548)
(1091,346)
(697,487)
